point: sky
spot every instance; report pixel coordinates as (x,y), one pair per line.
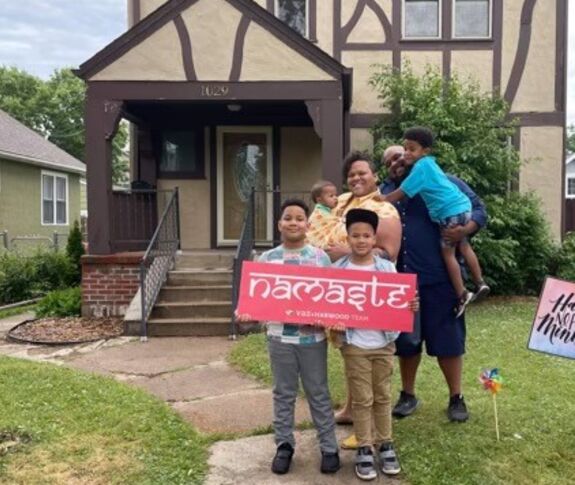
(42,35)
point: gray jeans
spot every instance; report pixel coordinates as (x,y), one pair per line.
(289,362)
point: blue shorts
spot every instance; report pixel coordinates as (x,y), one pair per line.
(443,334)
(452,221)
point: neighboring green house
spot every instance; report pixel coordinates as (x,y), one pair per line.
(39,184)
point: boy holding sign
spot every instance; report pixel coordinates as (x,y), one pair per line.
(299,351)
(368,356)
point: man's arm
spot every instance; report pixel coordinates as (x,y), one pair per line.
(392,197)
(388,237)
(478,214)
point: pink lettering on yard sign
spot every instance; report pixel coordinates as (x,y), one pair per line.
(307,294)
(553,329)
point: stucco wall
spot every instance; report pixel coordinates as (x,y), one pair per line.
(542,148)
(474,66)
(21,200)
(148,6)
(195,213)
(300,158)
(361,139)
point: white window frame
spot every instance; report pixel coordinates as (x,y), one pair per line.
(54,175)
(439,23)
(277,10)
(567,178)
(473,37)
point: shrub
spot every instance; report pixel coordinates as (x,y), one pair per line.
(563,260)
(60,303)
(24,277)
(75,250)
(472,142)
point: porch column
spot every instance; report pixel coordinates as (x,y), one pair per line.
(101,119)
(332,140)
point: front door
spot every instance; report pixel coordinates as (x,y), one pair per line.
(244,155)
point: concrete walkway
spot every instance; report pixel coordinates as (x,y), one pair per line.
(192,375)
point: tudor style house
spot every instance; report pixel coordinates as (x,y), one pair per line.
(226,95)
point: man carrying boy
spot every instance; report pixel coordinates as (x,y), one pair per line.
(299,351)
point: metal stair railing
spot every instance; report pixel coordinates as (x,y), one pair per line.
(159,259)
(243,253)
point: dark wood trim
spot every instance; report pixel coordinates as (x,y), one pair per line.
(252,90)
(366,46)
(312,21)
(113,111)
(497,34)
(271,6)
(136,11)
(365,120)
(238,58)
(171,9)
(132,37)
(522,51)
(336,30)
(561,55)
(447,19)
(396,26)
(355,16)
(332,140)
(555,118)
(314,112)
(346,131)
(452,44)
(446,63)
(186,45)
(213,188)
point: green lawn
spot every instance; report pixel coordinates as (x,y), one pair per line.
(16,311)
(536,407)
(90,429)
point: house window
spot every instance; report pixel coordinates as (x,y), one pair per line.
(421,19)
(570,194)
(294,13)
(182,154)
(472,19)
(54,199)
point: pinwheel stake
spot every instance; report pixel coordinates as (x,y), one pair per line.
(492,381)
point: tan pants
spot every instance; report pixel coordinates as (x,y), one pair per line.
(368,375)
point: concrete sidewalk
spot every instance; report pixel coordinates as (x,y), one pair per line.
(192,375)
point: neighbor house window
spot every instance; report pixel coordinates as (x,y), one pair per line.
(570,187)
(421,19)
(294,13)
(54,199)
(182,154)
(472,19)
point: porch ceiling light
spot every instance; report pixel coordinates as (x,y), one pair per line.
(234,107)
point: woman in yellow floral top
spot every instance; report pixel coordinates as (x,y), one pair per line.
(329,233)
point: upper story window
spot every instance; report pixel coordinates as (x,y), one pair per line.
(421,19)
(472,19)
(570,187)
(54,199)
(294,13)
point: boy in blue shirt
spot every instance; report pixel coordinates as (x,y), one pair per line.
(447,205)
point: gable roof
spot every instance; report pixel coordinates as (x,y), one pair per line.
(21,144)
(172,8)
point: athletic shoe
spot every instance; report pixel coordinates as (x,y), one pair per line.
(282,460)
(464,300)
(388,462)
(481,293)
(365,464)
(457,410)
(329,462)
(405,406)
(349,443)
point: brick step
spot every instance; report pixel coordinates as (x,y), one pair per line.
(199,277)
(205,259)
(195,293)
(182,327)
(210,309)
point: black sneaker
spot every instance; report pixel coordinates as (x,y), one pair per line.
(329,462)
(457,410)
(405,406)
(365,464)
(464,300)
(388,461)
(282,460)
(481,292)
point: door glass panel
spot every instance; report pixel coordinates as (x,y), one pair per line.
(245,160)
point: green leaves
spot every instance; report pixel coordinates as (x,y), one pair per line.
(60,303)
(55,109)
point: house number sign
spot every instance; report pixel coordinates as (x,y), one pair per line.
(214,91)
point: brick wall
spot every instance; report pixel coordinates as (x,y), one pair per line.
(109,283)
